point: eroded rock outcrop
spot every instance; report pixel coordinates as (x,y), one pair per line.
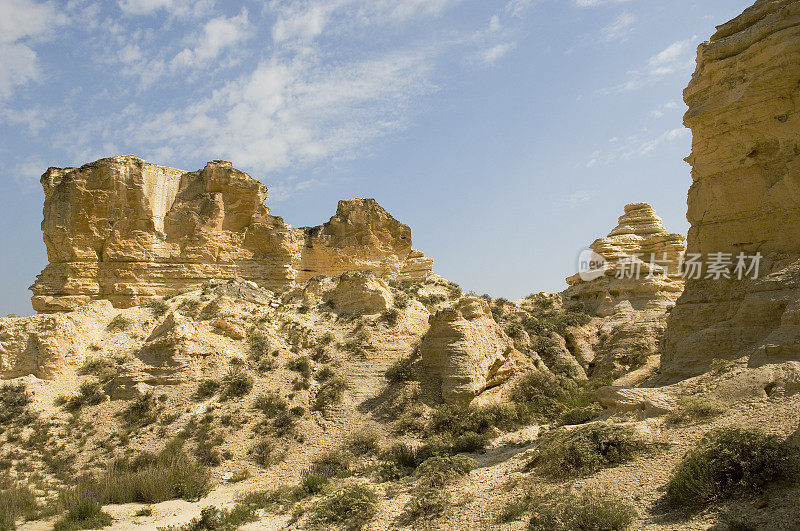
(745,197)
(466,351)
(126,230)
(42,345)
(636,280)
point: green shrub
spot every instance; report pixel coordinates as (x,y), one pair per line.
(579,415)
(350,507)
(301,365)
(401,300)
(548,397)
(141,411)
(324,374)
(586,449)
(158,307)
(336,462)
(89,394)
(84,511)
(694,408)
(426,502)
(587,511)
(402,454)
(457,420)
(727,460)
(105,369)
(439,471)
(330,392)
(14,402)
(364,441)
(190,307)
(314,478)
(206,389)
(150,478)
(402,370)
(265,452)
(236,383)
(213,519)
(271,404)
(119,323)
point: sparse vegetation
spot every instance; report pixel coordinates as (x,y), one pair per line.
(581,451)
(330,393)
(695,408)
(89,394)
(158,307)
(84,511)
(402,370)
(350,506)
(150,478)
(727,460)
(213,519)
(236,383)
(365,441)
(17,501)
(120,323)
(14,402)
(265,452)
(103,368)
(390,316)
(141,411)
(206,389)
(587,511)
(301,365)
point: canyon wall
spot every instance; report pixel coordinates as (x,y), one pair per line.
(129,231)
(744,199)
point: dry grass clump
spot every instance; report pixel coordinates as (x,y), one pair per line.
(695,408)
(587,510)
(350,506)
(364,442)
(158,307)
(150,478)
(235,383)
(84,511)
(429,497)
(727,460)
(120,323)
(17,501)
(584,450)
(330,393)
(14,402)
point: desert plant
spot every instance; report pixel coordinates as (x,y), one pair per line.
(402,370)
(586,449)
(236,383)
(141,411)
(190,307)
(301,365)
(426,502)
(314,478)
(364,441)
(158,307)
(206,389)
(439,471)
(84,511)
(693,408)
(151,478)
(104,369)
(14,402)
(727,460)
(265,452)
(119,323)
(271,404)
(330,392)
(350,507)
(214,519)
(391,316)
(336,461)
(586,511)
(89,394)
(17,501)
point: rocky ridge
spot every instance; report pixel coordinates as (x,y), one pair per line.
(743,100)
(128,231)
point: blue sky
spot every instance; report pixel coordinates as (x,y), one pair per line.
(507,134)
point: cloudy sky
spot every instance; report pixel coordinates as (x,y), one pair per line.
(508,134)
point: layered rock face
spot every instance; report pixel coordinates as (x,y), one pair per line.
(745,197)
(126,230)
(637,280)
(466,351)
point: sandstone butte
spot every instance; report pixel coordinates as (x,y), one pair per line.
(743,104)
(129,231)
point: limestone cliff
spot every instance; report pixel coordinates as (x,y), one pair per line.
(636,281)
(126,230)
(743,104)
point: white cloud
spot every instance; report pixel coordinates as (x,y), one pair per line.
(594,3)
(23,22)
(634,146)
(619,28)
(173,7)
(493,54)
(662,109)
(34,119)
(517,7)
(301,23)
(293,112)
(675,58)
(579,198)
(218,34)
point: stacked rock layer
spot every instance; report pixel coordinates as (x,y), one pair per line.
(126,230)
(745,197)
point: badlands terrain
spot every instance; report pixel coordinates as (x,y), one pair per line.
(198,364)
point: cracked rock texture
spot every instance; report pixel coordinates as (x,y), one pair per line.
(743,104)
(129,231)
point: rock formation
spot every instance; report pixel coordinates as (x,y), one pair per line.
(745,197)
(466,351)
(129,231)
(635,281)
